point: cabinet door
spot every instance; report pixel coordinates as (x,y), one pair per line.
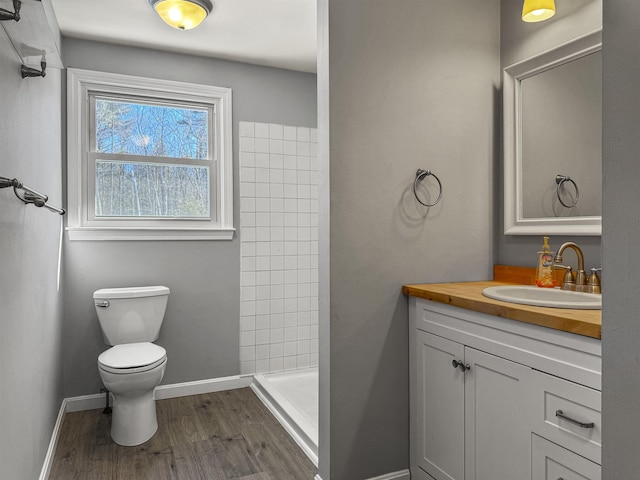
(439,408)
(552,462)
(497,437)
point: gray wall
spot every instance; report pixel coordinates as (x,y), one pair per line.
(520,40)
(30,298)
(408,84)
(621,229)
(201,327)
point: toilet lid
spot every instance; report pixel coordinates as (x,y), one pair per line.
(132,355)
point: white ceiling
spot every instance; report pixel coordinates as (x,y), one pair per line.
(276,33)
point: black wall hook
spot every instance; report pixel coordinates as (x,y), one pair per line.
(34,72)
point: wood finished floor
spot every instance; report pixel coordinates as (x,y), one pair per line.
(216,436)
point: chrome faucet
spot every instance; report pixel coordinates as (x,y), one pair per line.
(579,283)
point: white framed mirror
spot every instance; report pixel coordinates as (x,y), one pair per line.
(552,130)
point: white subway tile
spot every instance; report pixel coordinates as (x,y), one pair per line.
(290,305)
(263,234)
(276,336)
(262,263)
(277,262)
(247,204)
(247,324)
(262,219)
(290,334)
(276,175)
(304,290)
(262,351)
(276,146)
(304,191)
(247,189)
(262,337)
(303,134)
(291,262)
(289,133)
(303,346)
(289,147)
(277,305)
(313,149)
(304,304)
(277,219)
(289,162)
(247,338)
(290,348)
(247,293)
(291,204)
(247,308)
(261,130)
(262,322)
(263,307)
(248,264)
(302,148)
(313,134)
(304,205)
(276,161)
(246,129)
(276,364)
(263,248)
(289,363)
(303,163)
(263,366)
(248,279)
(304,318)
(277,248)
(247,174)
(290,277)
(276,205)
(289,177)
(304,177)
(262,160)
(291,320)
(247,144)
(277,320)
(263,292)
(277,234)
(277,277)
(247,368)
(277,291)
(303,361)
(247,159)
(314,248)
(263,278)
(247,219)
(276,131)
(248,353)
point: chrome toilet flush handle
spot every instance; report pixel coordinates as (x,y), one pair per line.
(103,304)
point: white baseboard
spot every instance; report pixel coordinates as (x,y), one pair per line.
(97,400)
(53,443)
(399,475)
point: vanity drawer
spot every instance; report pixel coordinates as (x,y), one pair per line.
(568,414)
(552,462)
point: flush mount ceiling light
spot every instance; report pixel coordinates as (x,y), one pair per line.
(182,14)
(538,10)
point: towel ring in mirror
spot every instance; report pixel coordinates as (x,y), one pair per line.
(560,180)
(420,175)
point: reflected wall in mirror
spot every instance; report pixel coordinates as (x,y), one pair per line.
(552,127)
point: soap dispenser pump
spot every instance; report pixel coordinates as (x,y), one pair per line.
(544,273)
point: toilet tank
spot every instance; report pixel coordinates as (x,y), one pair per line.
(130,315)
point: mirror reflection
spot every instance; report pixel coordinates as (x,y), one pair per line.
(561,115)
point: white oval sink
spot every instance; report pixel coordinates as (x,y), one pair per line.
(544,297)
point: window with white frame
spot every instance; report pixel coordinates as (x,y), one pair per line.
(148,159)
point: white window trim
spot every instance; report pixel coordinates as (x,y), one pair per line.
(79,83)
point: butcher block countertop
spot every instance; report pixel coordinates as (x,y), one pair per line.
(468,295)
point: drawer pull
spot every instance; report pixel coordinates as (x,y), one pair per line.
(575,422)
(460,365)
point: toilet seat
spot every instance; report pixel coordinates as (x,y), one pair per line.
(132,358)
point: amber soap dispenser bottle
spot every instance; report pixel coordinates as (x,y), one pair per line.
(544,273)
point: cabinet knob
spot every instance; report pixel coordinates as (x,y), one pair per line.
(460,365)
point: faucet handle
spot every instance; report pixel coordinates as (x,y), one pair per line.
(593,282)
(569,280)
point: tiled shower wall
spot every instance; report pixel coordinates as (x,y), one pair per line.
(279,247)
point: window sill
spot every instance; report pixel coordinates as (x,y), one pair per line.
(147,234)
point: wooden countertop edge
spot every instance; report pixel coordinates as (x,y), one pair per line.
(466,296)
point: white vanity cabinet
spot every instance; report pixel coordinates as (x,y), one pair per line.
(484,395)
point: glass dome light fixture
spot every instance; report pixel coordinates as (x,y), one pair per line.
(538,10)
(182,14)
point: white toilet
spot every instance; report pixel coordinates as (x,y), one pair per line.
(130,319)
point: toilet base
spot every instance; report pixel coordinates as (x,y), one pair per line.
(134,419)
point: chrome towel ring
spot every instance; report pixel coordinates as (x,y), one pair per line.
(420,175)
(560,180)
